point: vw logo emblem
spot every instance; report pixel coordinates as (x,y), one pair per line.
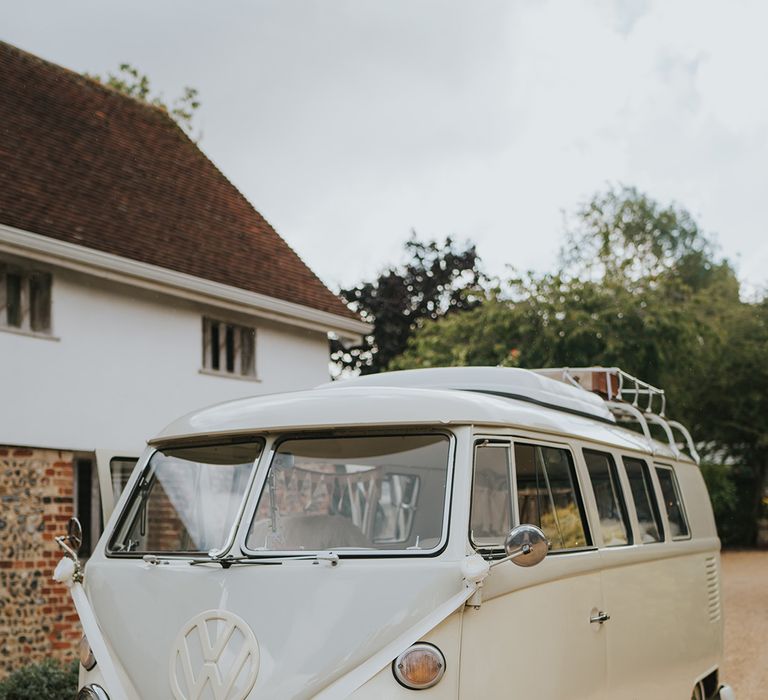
(215,657)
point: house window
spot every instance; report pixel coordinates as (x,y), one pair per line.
(25,299)
(229,348)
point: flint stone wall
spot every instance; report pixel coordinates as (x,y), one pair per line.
(37,617)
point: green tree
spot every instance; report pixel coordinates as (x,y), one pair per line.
(437,279)
(131,82)
(729,404)
(626,236)
(640,287)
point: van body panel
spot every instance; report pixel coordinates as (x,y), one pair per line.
(446,637)
(313,622)
(532,634)
(661,636)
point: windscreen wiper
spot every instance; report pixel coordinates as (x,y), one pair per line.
(225,562)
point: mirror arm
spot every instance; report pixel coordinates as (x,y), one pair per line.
(524,549)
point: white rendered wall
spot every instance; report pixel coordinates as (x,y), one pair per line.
(126,362)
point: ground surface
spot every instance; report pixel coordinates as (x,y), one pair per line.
(745,597)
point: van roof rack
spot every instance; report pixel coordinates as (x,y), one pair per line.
(612,383)
(631,400)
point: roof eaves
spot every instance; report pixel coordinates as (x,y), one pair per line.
(125,270)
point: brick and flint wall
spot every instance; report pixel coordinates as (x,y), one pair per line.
(37,617)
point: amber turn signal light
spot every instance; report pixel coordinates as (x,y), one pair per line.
(420,666)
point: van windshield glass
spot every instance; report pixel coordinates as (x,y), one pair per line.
(187,499)
(373,492)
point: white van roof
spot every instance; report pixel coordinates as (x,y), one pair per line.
(461,396)
(509,382)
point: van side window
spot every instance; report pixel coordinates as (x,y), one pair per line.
(645,500)
(548,496)
(614,522)
(491,517)
(674,503)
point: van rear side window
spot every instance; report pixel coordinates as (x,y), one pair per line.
(645,500)
(614,522)
(548,496)
(675,512)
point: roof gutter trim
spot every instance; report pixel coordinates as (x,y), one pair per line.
(114,267)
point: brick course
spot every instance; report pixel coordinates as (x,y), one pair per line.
(37,617)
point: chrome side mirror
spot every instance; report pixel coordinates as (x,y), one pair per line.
(68,570)
(71,542)
(75,534)
(525,545)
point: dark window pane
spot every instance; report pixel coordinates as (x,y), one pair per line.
(614,523)
(83,509)
(644,499)
(215,344)
(673,502)
(40,302)
(230,348)
(248,351)
(13,283)
(491,518)
(548,496)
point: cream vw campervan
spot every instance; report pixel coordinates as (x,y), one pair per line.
(463,533)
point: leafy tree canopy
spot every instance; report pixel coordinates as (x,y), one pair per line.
(131,82)
(639,286)
(624,235)
(438,279)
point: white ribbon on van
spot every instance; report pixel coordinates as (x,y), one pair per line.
(474,569)
(65,572)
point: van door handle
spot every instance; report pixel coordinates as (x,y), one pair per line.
(600,618)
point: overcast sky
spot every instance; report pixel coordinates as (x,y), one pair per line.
(349,122)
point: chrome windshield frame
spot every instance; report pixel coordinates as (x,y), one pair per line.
(273,445)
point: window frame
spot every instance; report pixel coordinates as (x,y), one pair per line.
(623,506)
(28,276)
(138,476)
(653,494)
(578,492)
(240,330)
(681,502)
(267,458)
(506,443)
(537,441)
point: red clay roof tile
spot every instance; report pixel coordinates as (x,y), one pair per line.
(82,163)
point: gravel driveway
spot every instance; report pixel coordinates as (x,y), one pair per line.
(745,597)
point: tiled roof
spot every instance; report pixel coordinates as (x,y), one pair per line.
(81,163)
